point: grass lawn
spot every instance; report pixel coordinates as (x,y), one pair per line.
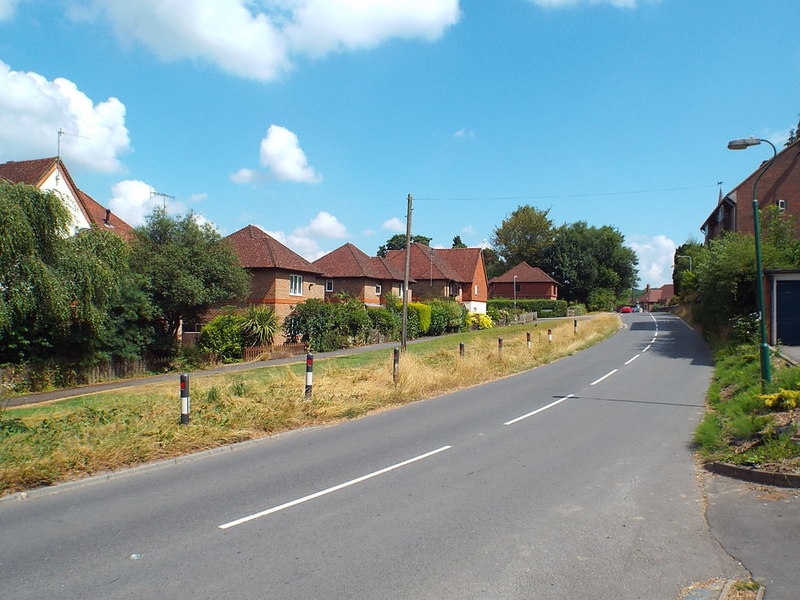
(73,438)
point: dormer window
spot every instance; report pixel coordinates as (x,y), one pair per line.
(781,205)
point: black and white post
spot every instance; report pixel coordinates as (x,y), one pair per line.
(185,403)
(529,339)
(309,374)
(461,349)
(500,346)
(395,364)
(549,335)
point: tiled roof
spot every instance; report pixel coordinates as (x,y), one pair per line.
(36,172)
(104,218)
(463,260)
(257,249)
(524,273)
(426,263)
(32,172)
(388,270)
(346,261)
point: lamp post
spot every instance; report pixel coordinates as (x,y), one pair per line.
(741,144)
(515,292)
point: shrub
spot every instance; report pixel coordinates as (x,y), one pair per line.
(544,308)
(385,322)
(478,321)
(424,313)
(454,313)
(223,336)
(259,325)
(782,400)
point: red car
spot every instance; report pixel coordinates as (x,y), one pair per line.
(625,309)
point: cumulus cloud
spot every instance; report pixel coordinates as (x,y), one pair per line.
(133,200)
(655,255)
(304,240)
(281,155)
(464,133)
(259,39)
(394,224)
(33,110)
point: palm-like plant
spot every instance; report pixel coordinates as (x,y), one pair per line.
(259,326)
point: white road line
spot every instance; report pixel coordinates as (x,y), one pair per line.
(330,490)
(537,411)
(655,335)
(633,359)
(647,348)
(604,377)
(653,341)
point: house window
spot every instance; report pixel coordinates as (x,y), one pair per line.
(781,204)
(329,285)
(476,290)
(517,287)
(453,290)
(378,290)
(296,285)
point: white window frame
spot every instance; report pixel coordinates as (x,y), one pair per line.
(781,204)
(378,289)
(329,285)
(476,290)
(295,285)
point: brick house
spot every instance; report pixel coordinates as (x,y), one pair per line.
(779,186)
(530,283)
(281,278)
(656,296)
(368,278)
(457,273)
(51,175)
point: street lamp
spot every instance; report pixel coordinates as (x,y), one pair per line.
(515,292)
(741,144)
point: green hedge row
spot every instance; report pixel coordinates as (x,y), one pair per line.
(544,308)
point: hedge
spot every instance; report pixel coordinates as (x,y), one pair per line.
(544,308)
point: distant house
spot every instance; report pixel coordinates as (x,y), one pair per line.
(51,174)
(368,278)
(524,282)
(660,296)
(457,273)
(779,186)
(281,278)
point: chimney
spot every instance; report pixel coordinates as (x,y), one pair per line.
(108,215)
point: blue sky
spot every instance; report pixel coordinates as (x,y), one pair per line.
(314,119)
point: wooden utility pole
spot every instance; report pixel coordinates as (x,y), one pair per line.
(404,332)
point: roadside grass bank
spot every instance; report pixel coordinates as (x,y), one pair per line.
(744,426)
(69,439)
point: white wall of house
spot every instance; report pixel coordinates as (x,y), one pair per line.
(475,307)
(57,182)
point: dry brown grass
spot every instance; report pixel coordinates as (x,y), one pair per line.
(108,431)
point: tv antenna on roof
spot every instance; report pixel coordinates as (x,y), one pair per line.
(62,132)
(163,197)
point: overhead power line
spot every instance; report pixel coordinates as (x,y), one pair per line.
(568,196)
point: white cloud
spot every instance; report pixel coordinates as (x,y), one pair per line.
(394,224)
(133,200)
(655,255)
(469,229)
(245,175)
(33,110)
(464,133)
(259,39)
(281,154)
(303,240)
(324,225)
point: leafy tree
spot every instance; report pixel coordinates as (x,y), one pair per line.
(523,236)
(185,268)
(683,278)
(583,258)
(259,325)
(398,242)
(457,243)
(495,266)
(794,135)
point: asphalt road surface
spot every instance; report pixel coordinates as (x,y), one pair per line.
(572,481)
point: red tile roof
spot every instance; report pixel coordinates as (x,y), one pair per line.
(426,263)
(259,250)
(525,274)
(35,172)
(463,260)
(349,261)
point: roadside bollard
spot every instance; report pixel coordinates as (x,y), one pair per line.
(500,346)
(575,326)
(395,364)
(309,374)
(549,335)
(528,334)
(185,403)
(461,350)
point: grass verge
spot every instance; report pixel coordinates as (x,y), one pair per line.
(69,439)
(744,426)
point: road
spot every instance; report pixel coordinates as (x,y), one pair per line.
(570,481)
